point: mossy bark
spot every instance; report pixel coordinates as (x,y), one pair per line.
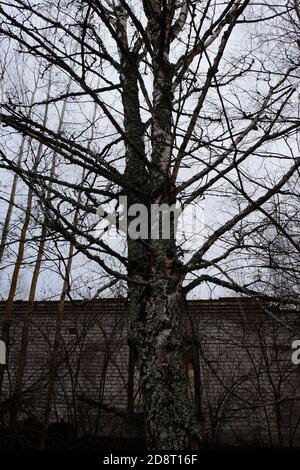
(153,266)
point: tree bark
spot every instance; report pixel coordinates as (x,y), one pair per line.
(155,311)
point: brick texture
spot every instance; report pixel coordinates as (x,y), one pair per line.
(247,391)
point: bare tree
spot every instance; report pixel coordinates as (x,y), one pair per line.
(57,338)
(32,293)
(22,242)
(183,115)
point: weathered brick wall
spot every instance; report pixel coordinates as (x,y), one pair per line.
(250,388)
(247,386)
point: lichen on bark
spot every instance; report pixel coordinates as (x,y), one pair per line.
(155,309)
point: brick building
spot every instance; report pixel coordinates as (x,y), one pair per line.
(244,385)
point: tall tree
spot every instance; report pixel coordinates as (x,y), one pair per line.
(5,326)
(189,106)
(17,393)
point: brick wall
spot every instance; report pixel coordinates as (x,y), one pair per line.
(246,387)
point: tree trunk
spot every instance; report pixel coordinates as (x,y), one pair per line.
(35,276)
(11,203)
(53,368)
(13,286)
(170,412)
(21,248)
(155,310)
